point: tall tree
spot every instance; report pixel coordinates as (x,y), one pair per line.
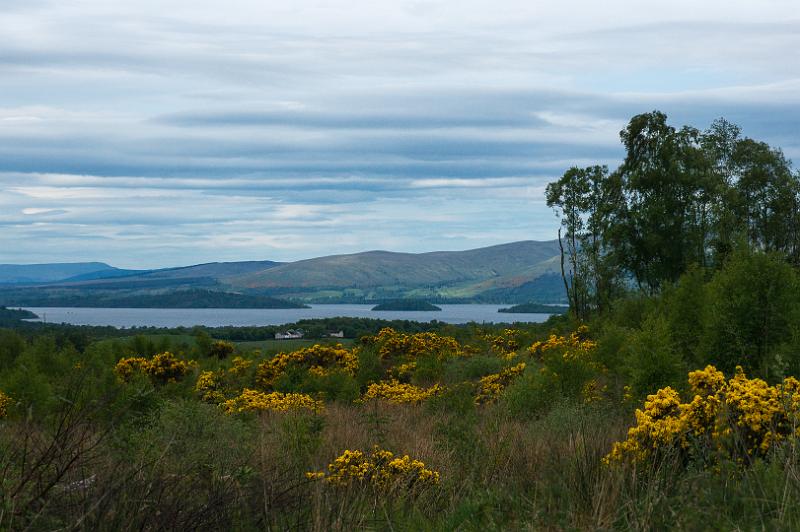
(667,201)
(767,198)
(580,196)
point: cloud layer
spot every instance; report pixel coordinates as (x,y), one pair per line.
(164,133)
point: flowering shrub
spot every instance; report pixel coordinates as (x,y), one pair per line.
(592,391)
(162,368)
(5,402)
(402,372)
(222,349)
(569,363)
(253,400)
(492,385)
(739,419)
(393,345)
(318,359)
(575,346)
(209,388)
(239,366)
(126,368)
(504,344)
(166,367)
(380,468)
(398,392)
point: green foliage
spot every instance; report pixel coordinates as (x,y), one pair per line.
(472,368)
(333,386)
(753,309)
(11,346)
(651,360)
(300,437)
(531,395)
(203,342)
(686,306)
(429,369)
(370,368)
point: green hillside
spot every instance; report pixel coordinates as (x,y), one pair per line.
(507,273)
(485,274)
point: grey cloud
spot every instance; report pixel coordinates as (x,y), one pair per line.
(354,120)
(303,128)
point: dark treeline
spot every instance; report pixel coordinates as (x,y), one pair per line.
(702,225)
(79,336)
(181,298)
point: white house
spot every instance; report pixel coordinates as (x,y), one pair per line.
(291,334)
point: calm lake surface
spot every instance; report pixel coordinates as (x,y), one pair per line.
(160,317)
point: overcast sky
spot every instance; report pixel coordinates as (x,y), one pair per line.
(167,132)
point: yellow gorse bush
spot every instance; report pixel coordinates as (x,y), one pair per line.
(740,418)
(574,345)
(504,344)
(393,345)
(239,366)
(126,368)
(5,402)
(166,367)
(209,388)
(253,400)
(399,392)
(491,386)
(162,368)
(402,371)
(380,468)
(318,359)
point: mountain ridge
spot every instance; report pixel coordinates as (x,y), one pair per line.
(503,273)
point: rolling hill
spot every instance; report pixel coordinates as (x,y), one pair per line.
(506,273)
(490,273)
(48,273)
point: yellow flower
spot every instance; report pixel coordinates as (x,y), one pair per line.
(320,358)
(5,402)
(166,367)
(239,365)
(504,344)
(162,368)
(592,392)
(126,368)
(706,381)
(253,400)
(575,347)
(209,388)
(741,418)
(393,345)
(491,386)
(380,468)
(398,392)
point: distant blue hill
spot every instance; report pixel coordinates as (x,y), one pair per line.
(112,273)
(49,273)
